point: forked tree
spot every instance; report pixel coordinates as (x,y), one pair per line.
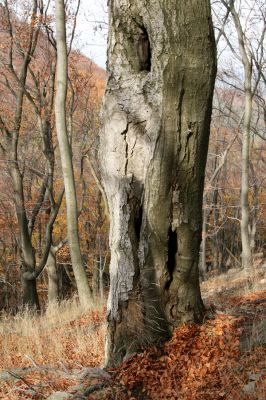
(24,89)
(153,148)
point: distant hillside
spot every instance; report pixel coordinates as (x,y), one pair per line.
(43,54)
(84,64)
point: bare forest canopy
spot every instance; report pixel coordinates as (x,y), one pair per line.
(36,155)
(144,183)
(221,247)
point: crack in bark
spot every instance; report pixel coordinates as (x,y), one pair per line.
(124,133)
(133,147)
(140,122)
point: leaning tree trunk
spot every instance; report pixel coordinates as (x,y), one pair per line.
(84,291)
(153,148)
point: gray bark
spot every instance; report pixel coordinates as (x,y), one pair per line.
(19,87)
(66,159)
(212,179)
(53,279)
(203,264)
(98,271)
(153,148)
(27,251)
(54,292)
(247,64)
(253,229)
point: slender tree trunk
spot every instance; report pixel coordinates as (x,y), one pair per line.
(213,202)
(153,148)
(245,237)
(27,253)
(53,279)
(30,295)
(247,64)
(66,159)
(203,268)
(254,217)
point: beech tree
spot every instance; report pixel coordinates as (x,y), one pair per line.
(66,158)
(153,148)
(248,53)
(27,92)
(27,64)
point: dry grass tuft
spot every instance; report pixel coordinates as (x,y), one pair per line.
(65,337)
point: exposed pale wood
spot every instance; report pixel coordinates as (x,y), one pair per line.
(153,149)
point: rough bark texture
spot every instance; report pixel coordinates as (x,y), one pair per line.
(153,148)
(66,159)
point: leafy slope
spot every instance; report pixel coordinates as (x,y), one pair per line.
(199,362)
(224,358)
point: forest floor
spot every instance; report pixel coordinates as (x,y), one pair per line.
(224,358)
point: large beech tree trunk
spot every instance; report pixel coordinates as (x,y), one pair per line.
(153,148)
